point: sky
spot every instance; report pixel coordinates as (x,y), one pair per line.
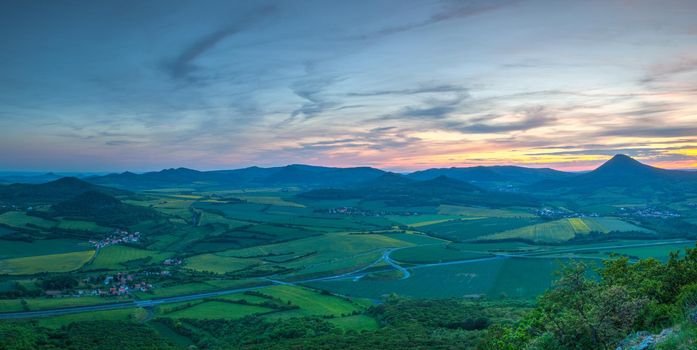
(399,85)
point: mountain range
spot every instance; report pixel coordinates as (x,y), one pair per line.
(620,171)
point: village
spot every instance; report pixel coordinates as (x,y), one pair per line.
(351,211)
(116,237)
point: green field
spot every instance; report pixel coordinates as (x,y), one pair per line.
(217,309)
(434,253)
(516,278)
(473,228)
(327,254)
(311,302)
(484,212)
(119,257)
(17,249)
(566,229)
(217,264)
(64,262)
(21,220)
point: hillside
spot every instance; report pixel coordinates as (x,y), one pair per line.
(398,190)
(102,209)
(509,174)
(626,173)
(50,192)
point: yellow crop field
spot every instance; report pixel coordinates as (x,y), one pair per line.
(45,263)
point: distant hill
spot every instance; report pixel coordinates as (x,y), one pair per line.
(291,175)
(623,172)
(50,192)
(30,179)
(477,174)
(103,209)
(398,190)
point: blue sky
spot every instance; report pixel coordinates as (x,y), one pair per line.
(145,85)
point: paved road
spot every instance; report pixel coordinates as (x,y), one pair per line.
(353,274)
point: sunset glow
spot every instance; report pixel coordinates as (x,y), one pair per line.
(378,83)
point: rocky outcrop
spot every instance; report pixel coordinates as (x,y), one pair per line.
(644,340)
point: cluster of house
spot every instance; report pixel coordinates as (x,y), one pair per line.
(172,262)
(553,213)
(116,237)
(361,212)
(122,284)
(648,212)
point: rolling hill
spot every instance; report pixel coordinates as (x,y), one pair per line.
(398,190)
(484,174)
(50,192)
(103,209)
(290,175)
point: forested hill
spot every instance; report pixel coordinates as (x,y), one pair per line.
(51,192)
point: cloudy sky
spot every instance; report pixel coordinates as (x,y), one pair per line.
(402,85)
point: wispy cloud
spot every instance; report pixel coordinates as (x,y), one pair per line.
(182,66)
(423,89)
(454,10)
(526,119)
(666,70)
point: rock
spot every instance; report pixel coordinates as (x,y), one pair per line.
(692,315)
(643,340)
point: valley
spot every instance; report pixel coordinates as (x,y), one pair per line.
(74,250)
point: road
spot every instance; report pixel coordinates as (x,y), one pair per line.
(353,274)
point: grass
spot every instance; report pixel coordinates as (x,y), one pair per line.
(326,254)
(565,229)
(195,287)
(421,220)
(10,305)
(57,303)
(64,262)
(472,228)
(22,220)
(434,253)
(483,212)
(17,249)
(515,278)
(217,310)
(311,302)
(270,200)
(116,257)
(217,264)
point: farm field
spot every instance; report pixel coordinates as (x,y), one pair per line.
(217,309)
(119,257)
(517,278)
(472,228)
(312,302)
(301,261)
(566,229)
(217,264)
(64,262)
(434,253)
(22,220)
(16,249)
(483,212)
